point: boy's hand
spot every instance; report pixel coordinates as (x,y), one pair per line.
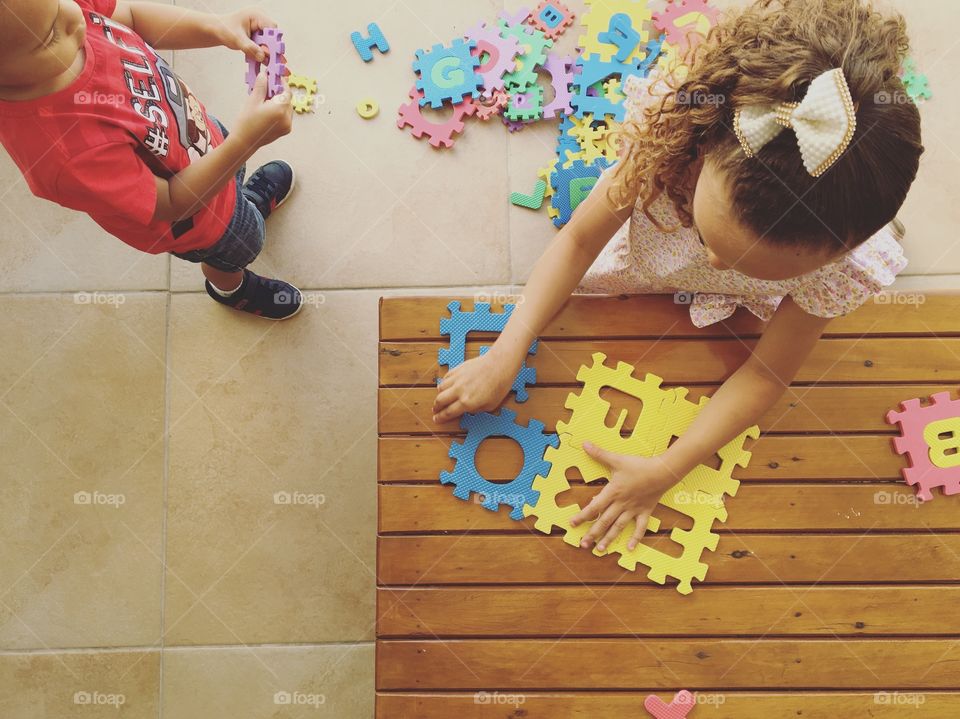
(239,26)
(636,484)
(478,385)
(262,121)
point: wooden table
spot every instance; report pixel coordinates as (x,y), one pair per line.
(823,599)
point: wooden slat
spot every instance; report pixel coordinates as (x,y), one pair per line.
(929,359)
(418,318)
(788,507)
(833,408)
(662,663)
(739,559)
(775,458)
(652,611)
(713,705)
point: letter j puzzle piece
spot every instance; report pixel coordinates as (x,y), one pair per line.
(930,436)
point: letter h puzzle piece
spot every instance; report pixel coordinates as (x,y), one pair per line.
(375,39)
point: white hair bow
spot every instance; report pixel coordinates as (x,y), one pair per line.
(824,122)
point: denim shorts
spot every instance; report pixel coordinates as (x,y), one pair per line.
(243,241)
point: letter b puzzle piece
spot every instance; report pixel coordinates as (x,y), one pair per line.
(552,18)
(374,39)
(930,436)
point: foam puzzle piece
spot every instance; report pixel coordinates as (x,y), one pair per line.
(272,39)
(544,174)
(519,491)
(572,186)
(681,706)
(552,18)
(621,34)
(375,39)
(598,71)
(501,53)
(481,319)
(561,78)
(531,202)
(666,413)
(368,109)
(598,20)
(533,54)
(491,105)
(567,142)
(930,437)
(521,16)
(686,22)
(305,102)
(916,84)
(525,106)
(448,73)
(441,134)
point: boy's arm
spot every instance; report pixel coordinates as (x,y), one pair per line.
(167,27)
(260,123)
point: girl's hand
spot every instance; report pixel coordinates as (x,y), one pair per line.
(237,27)
(478,385)
(636,484)
(262,121)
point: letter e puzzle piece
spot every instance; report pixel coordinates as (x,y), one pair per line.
(460,324)
(930,436)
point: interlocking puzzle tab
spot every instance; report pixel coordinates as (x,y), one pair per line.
(666,413)
(448,73)
(272,39)
(375,39)
(681,706)
(930,437)
(460,324)
(519,491)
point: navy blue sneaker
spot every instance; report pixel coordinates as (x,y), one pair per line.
(270,299)
(270,186)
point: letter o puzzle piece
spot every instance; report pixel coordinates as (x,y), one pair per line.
(448,73)
(920,430)
(440,134)
(368,109)
(374,39)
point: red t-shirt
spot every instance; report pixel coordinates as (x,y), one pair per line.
(97,145)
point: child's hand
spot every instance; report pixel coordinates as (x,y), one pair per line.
(478,385)
(262,121)
(636,484)
(237,27)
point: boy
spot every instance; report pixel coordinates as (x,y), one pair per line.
(98,122)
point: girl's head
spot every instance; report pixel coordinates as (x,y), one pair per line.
(766,216)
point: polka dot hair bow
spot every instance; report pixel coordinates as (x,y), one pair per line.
(824,122)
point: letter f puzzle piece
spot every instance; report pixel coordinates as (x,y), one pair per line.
(272,39)
(375,39)
(666,413)
(930,436)
(460,324)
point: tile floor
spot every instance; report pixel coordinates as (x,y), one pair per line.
(182,588)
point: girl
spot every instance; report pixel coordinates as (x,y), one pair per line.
(767,178)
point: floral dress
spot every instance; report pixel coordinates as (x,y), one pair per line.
(642,259)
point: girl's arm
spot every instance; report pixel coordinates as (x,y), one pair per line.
(167,27)
(481,384)
(637,483)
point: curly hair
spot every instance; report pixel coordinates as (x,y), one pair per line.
(769,52)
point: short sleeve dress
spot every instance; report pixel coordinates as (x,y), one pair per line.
(641,259)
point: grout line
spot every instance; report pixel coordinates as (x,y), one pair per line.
(198,648)
(168,338)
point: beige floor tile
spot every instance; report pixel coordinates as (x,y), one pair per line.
(288,408)
(269,683)
(81,434)
(80,685)
(374,207)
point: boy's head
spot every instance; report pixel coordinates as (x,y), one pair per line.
(41,40)
(766,216)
